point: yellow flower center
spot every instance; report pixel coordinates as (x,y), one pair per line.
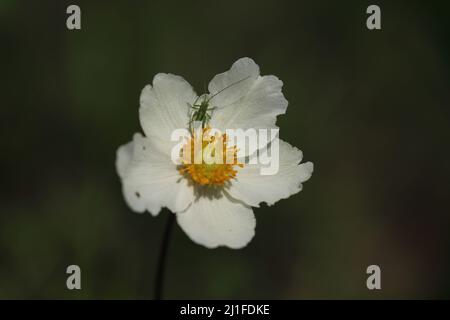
(207,159)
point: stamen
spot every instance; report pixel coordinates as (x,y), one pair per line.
(217,160)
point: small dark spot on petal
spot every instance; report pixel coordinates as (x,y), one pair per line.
(137,194)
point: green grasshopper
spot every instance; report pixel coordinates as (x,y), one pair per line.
(201,110)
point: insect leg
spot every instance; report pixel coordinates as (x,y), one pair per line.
(195,106)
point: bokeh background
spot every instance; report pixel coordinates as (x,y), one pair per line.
(369,108)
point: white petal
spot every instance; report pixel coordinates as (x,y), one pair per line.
(150,179)
(233,80)
(253,188)
(214,222)
(123,158)
(164,107)
(253,103)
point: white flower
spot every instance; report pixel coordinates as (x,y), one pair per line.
(212,205)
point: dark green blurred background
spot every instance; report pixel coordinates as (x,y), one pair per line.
(369,108)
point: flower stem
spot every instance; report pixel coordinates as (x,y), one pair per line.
(159,279)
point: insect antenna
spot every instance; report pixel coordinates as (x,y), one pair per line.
(230,85)
(204,87)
